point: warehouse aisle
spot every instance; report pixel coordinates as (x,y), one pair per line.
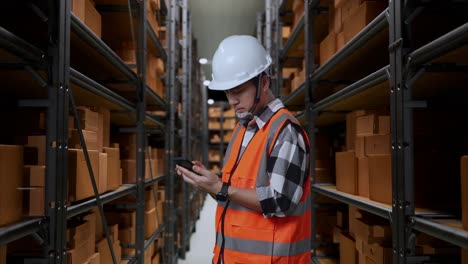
(202,241)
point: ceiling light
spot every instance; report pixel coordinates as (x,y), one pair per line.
(210,101)
(203,60)
(206,82)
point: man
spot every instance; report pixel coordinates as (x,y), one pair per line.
(263,212)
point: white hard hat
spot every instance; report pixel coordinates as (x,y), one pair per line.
(237,60)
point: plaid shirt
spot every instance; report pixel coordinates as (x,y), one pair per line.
(287,165)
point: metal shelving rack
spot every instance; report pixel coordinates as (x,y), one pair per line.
(64,37)
(391,79)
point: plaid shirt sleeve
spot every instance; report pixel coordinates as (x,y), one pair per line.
(287,170)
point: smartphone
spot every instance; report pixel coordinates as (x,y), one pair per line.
(184,163)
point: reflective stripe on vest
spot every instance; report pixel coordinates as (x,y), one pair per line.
(249,235)
(265,248)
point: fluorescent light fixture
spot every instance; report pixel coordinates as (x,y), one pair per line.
(203,60)
(210,101)
(206,82)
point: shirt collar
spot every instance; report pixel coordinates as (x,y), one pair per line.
(266,113)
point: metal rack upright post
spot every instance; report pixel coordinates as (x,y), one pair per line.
(393,75)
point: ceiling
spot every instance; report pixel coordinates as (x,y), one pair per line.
(214,20)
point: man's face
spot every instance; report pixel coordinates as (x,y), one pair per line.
(241,98)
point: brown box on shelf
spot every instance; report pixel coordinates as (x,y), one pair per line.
(103,174)
(103,133)
(78,8)
(377,145)
(464,190)
(363,177)
(351,128)
(94,259)
(346,172)
(129,170)
(114,179)
(102,247)
(340,41)
(78,254)
(352,215)
(33,201)
(377,253)
(367,125)
(127,236)
(348,253)
(349,8)
(380,178)
(356,20)
(124,218)
(93,18)
(89,119)
(79,181)
(11,175)
(90,138)
(34,176)
(78,233)
(156,258)
(360,147)
(372,231)
(384,125)
(38,142)
(327,47)
(151,222)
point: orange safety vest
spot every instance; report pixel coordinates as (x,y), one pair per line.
(249,236)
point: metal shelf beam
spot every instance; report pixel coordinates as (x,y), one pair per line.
(105,198)
(19,47)
(446,43)
(85,33)
(18,230)
(353,200)
(452,235)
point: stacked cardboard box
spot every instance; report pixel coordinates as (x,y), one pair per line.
(126,221)
(11,174)
(81,240)
(346,19)
(365,168)
(86,11)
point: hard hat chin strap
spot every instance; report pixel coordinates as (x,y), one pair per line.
(249,114)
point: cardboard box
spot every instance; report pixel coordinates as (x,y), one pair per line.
(34,200)
(464,190)
(360,147)
(346,172)
(78,232)
(372,231)
(34,176)
(90,138)
(94,259)
(102,172)
(79,254)
(102,247)
(151,223)
(351,128)
(363,177)
(125,219)
(352,212)
(78,8)
(79,181)
(348,253)
(349,8)
(384,125)
(377,145)
(89,119)
(380,178)
(3,254)
(38,142)
(103,124)
(367,125)
(376,253)
(340,41)
(327,47)
(129,170)
(114,178)
(11,175)
(464,256)
(338,21)
(93,18)
(356,19)
(342,219)
(156,258)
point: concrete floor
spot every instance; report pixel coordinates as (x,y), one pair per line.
(203,239)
